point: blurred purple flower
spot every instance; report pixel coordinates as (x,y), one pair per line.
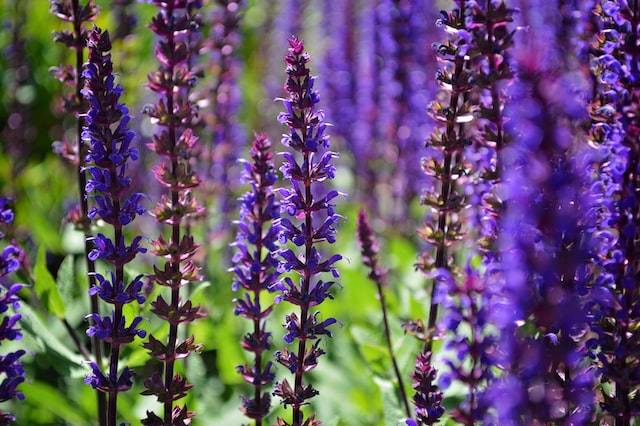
(537,305)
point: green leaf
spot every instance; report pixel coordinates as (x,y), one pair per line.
(66,278)
(42,335)
(47,397)
(45,286)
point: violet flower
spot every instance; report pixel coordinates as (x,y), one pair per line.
(255,265)
(175,142)
(428,398)
(369,248)
(11,371)
(543,248)
(338,61)
(444,163)
(312,220)
(409,126)
(366,155)
(110,150)
(466,297)
(470,342)
(227,135)
(614,310)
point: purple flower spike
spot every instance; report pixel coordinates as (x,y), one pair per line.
(470,344)
(110,151)
(312,219)
(228,137)
(614,305)
(11,371)
(444,164)
(544,246)
(428,398)
(255,265)
(369,248)
(176,26)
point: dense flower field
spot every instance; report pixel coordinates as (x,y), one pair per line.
(314,212)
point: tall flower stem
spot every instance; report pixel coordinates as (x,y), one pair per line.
(176,25)
(78,15)
(255,262)
(306,137)
(449,143)
(369,249)
(105,128)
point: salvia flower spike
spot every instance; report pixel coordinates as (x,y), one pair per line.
(311,220)
(176,25)
(369,248)
(467,299)
(78,15)
(543,246)
(255,266)
(227,134)
(11,371)
(428,398)
(614,310)
(444,164)
(110,150)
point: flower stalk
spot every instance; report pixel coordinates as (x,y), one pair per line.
(369,248)
(105,130)
(176,25)
(78,16)
(255,266)
(444,163)
(306,202)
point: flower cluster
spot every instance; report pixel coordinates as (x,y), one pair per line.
(428,398)
(365,130)
(543,247)
(11,371)
(175,141)
(255,266)
(110,150)
(471,345)
(312,220)
(467,299)
(369,248)
(405,125)
(614,310)
(338,61)
(227,134)
(491,38)
(444,163)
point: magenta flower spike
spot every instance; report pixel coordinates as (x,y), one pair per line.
(175,142)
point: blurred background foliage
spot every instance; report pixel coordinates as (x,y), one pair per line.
(354,379)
